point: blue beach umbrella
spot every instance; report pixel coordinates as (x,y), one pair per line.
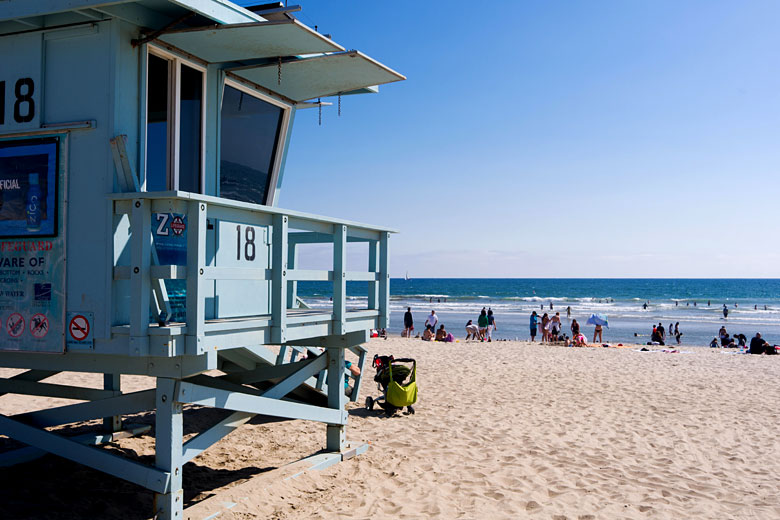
(598,319)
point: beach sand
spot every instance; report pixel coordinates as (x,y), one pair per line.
(502,430)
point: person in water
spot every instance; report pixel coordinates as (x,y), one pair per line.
(725,311)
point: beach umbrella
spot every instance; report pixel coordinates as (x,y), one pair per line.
(598,319)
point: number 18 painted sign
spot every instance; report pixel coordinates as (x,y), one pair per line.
(24,103)
(20,86)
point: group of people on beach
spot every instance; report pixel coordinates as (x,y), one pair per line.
(758,345)
(658,336)
(482,331)
(552,330)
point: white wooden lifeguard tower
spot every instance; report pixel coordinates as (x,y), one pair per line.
(142,151)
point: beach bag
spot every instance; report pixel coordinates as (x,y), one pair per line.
(402,395)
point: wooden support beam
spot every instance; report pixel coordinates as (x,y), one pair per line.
(313,237)
(124,404)
(384,280)
(336,398)
(307,369)
(32,375)
(29,453)
(113,384)
(355,395)
(202,441)
(196,262)
(279,282)
(339,279)
(169,504)
(350,339)
(281,355)
(140,281)
(53,390)
(205,396)
(292,263)
(264,373)
(150,478)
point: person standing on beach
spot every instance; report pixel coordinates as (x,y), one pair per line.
(662,331)
(408,323)
(575,328)
(597,333)
(545,327)
(491,325)
(568,311)
(432,321)
(555,325)
(534,323)
(482,322)
(677,333)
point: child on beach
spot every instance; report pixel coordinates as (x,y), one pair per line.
(472,331)
(482,321)
(534,322)
(491,325)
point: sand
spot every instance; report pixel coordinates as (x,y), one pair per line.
(502,430)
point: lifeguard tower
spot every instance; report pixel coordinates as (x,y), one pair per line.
(142,151)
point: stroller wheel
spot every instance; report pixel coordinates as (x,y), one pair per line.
(370,402)
(410,409)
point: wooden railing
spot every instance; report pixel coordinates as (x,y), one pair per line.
(288,230)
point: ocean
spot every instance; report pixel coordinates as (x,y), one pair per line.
(697,304)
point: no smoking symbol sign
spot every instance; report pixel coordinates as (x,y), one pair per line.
(15,325)
(39,326)
(79,328)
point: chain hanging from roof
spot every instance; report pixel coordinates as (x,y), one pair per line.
(339,104)
(319,109)
(279,71)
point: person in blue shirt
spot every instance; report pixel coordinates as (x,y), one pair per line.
(534,323)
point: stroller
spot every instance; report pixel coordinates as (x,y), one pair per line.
(390,376)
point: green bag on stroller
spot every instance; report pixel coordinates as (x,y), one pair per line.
(402,395)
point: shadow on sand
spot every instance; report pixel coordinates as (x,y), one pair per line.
(55,488)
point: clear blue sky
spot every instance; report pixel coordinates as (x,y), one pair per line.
(560,139)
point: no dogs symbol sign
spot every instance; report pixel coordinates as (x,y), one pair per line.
(79,333)
(39,326)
